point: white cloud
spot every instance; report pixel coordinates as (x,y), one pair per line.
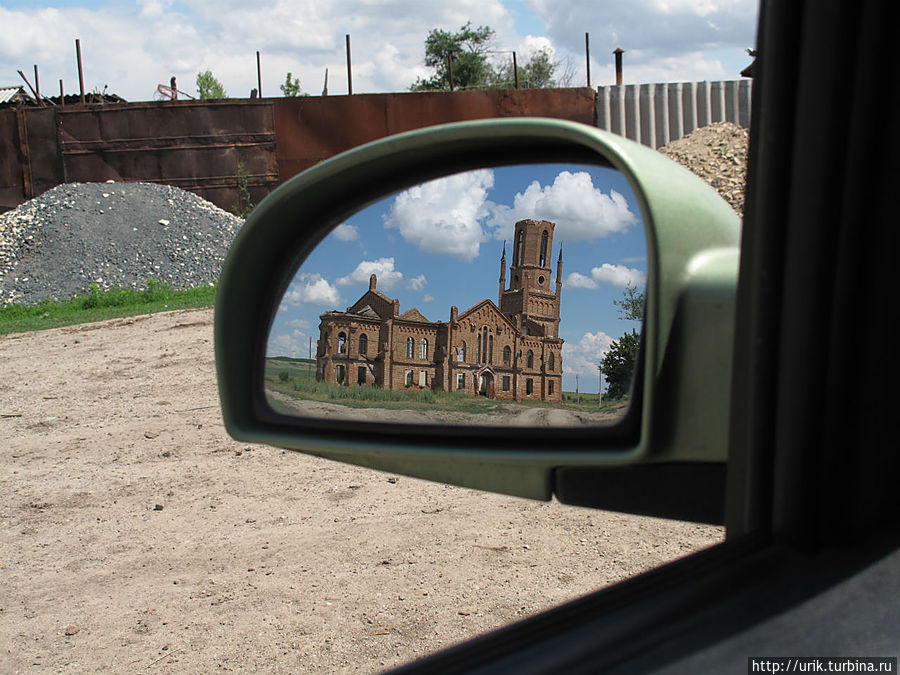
(294,344)
(584,356)
(443,215)
(617,275)
(580,211)
(578,280)
(694,33)
(383,269)
(417,283)
(135,46)
(132,47)
(300,324)
(345,232)
(428,297)
(312,289)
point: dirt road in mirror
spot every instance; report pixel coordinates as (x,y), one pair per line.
(136,535)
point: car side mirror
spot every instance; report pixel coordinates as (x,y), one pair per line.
(665,457)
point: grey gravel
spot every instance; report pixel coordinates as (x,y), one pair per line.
(718,154)
(110,234)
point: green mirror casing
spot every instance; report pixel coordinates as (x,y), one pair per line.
(679,415)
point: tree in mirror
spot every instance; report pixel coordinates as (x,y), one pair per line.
(489,297)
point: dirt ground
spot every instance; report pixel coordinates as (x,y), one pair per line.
(137,537)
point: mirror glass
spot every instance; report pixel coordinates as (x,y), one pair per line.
(502,296)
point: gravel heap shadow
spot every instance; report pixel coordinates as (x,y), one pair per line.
(110,234)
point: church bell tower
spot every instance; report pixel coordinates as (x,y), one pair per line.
(530,295)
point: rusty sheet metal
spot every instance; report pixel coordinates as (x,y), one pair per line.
(28,154)
(313,128)
(12,190)
(200,147)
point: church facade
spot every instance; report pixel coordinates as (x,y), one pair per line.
(509,350)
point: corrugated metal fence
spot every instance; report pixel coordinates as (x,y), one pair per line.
(655,114)
(212,147)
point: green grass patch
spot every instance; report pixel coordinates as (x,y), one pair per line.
(99,305)
(296,378)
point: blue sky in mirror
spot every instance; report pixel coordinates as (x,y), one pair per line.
(131,47)
(440,244)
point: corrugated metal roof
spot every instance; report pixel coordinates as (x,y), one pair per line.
(9,94)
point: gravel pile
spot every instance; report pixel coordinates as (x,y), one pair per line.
(110,234)
(718,154)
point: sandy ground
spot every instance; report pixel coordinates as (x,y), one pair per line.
(137,537)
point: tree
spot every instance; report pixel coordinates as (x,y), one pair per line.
(631,306)
(535,73)
(618,364)
(209,87)
(467,49)
(291,87)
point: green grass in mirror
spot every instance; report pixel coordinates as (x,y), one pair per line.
(291,388)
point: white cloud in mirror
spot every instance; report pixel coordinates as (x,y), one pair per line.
(383,268)
(346,232)
(313,289)
(454,215)
(617,275)
(581,210)
(444,215)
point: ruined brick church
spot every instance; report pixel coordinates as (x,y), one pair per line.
(511,351)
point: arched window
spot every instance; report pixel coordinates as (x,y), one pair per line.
(363,344)
(462,352)
(551,361)
(490,348)
(423,349)
(339,374)
(519,253)
(484,345)
(410,347)
(507,354)
(409,377)
(342,343)
(530,359)
(544,239)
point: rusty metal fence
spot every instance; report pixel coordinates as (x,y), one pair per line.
(218,148)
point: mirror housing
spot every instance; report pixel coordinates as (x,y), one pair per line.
(679,410)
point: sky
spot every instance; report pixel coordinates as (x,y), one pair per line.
(131,47)
(439,244)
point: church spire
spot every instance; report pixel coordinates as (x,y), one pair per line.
(559,263)
(502,274)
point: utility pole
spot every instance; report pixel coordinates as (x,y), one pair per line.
(600,386)
(258,76)
(349,70)
(80,68)
(587,56)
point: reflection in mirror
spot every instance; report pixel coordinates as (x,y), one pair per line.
(397,316)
